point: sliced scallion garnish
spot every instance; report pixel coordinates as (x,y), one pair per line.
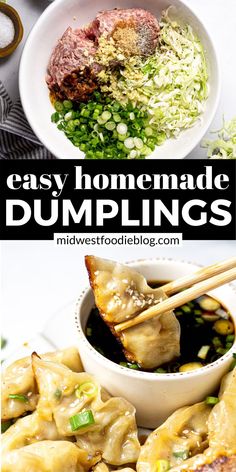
(212,400)
(5,425)
(181,454)
(58,394)
(202,353)
(81,420)
(87,388)
(18,396)
(233,363)
(3,342)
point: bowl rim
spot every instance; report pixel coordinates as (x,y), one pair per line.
(195,140)
(141,375)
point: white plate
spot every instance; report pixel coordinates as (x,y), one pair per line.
(42,39)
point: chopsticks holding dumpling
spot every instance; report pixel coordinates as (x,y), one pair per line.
(201,282)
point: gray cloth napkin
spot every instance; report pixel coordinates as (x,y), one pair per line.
(17,140)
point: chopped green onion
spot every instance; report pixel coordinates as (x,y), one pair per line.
(55,117)
(129,365)
(81,420)
(160,370)
(89,331)
(230,338)
(228,346)
(100,120)
(58,394)
(116,118)
(3,342)
(68,116)
(216,341)
(191,304)
(133,154)
(162,465)
(138,142)
(18,396)
(148,131)
(221,350)
(133,366)
(233,363)
(5,425)
(199,320)
(122,128)
(129,143)
(186,309)
(68,105)
(178,312)
(87,388)
(197,312)
(181,454)
(212,400)
(110,125)
(59,106)
(202,353)
(106,115)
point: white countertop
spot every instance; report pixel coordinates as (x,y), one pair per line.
(219,17)
(40,279)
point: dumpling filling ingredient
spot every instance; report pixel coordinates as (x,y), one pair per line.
(155,74)
(224,146)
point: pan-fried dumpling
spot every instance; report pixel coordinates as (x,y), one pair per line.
(45,456)
(18,378)
(121,293)
(27,430)
(222,420)
(102,467)
(182,435)
(221,428)
(214,428)
(111,430)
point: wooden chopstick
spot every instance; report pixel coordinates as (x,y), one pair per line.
(202,274)
(179,299)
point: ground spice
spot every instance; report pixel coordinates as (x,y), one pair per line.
(126,38)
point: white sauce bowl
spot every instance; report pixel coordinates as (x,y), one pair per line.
(155,396)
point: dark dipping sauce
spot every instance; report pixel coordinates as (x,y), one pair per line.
(207,333)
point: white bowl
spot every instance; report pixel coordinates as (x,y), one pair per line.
(41,41)
(154,396)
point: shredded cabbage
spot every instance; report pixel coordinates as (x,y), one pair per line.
(224,147)
(172,84)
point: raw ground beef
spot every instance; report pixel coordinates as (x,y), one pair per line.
(72,71)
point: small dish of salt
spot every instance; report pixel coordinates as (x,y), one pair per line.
(11,29)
